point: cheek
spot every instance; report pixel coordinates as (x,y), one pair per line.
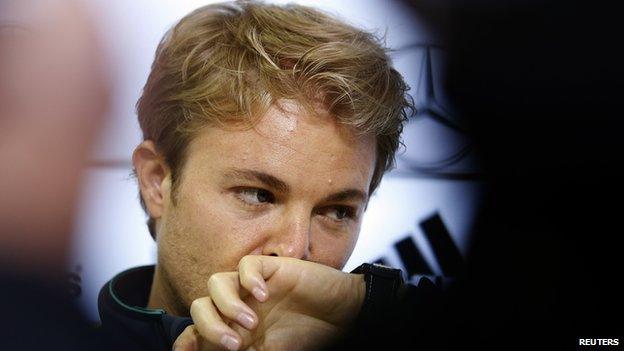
(205,235)
(331,250)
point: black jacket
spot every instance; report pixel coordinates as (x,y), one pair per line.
(123,313)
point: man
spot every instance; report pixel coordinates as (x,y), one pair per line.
(266,129)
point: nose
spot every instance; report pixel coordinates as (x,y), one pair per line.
(290,236)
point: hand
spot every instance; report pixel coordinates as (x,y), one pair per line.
(273,303)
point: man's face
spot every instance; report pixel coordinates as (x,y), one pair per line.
(295,185)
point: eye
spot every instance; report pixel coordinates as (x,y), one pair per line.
(340,213)
(255,196)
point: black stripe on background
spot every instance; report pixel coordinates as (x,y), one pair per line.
(444,248)
(412,260)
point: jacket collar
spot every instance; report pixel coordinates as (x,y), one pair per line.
(122,305)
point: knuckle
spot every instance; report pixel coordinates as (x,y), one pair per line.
(232,306)
(214,279)
(245,261)
(227,306)
(195,305)
(185,337)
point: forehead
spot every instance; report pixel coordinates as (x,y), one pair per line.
(293,144)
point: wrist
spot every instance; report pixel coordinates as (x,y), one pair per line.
(359,288)
(351,294)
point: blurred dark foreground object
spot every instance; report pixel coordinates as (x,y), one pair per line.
(541,85)
(53,96)
(38,315)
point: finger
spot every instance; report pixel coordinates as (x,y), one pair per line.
(187,341)
(224,289)
(251,277)
(255,270)
(211,326)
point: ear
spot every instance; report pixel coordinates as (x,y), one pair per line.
(153,176)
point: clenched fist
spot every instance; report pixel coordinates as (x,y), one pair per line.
(273,303)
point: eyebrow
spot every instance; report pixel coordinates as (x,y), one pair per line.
(264,178)
(279,185)
(346,195)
